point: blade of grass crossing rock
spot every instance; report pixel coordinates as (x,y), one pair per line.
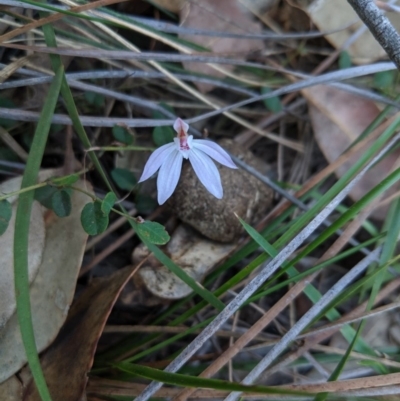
(73,113)
(21,235)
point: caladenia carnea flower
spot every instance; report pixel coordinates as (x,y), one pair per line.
(168,158)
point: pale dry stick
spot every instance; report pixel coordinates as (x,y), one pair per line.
(13,144)
(380,27)
(389,199)
(347,385)
(266,270)
(171,330)
(245,137)
(356,355)
(387,7)
(330,78)
(350,388)
(8,70)
(234,324)
(306,319)
(269,22)
(123,73)
(330,326)
(311,340)
(336,325)
(55,17)
(107,251)
(277,308)
(317,366)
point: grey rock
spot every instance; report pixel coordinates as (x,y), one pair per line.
(243,194)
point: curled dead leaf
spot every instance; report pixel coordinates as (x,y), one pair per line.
(224,16)
(53,286)
(69,359)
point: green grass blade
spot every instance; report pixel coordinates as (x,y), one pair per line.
(21,235)
(341,365)
(179,272)
(178,379)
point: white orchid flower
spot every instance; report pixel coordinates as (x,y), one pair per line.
(168,158)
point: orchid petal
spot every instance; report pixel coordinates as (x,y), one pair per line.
(156,159)
(207,172)
(168,176)
(180,125)
(215,151)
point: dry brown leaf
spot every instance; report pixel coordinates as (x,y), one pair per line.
(330,15)
(11,389)
(170,5)
(69,359)
(221,15)
(338,118)
(193,252)
(53,287)
(35,251)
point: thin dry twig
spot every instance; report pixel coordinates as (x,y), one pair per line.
(380,27)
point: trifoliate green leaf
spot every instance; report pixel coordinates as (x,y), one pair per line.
(93,220)
(124,178)
(108,202)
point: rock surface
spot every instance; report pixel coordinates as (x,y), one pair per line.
(244,195)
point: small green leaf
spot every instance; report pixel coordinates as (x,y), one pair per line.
(124,178)
(145,204)
(6,102)
(271,251)
(344,60)
(163,135)
(66,180)
(178,379)
(122,135)
(44,195)
(153,232)
(160,116)
(93,219)
(272,103)
(61,203)
(94,99)
(384,79)
(108,202)
(5,215)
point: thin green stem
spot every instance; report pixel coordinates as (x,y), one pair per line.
(21,236)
